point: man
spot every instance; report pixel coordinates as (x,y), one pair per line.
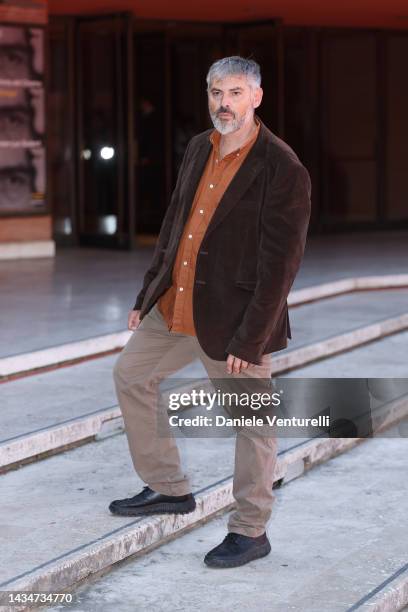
(228,251)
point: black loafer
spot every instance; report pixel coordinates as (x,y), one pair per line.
(150,502)
(237,549)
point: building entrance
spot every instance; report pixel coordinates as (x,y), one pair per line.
(137,92)
(125,96)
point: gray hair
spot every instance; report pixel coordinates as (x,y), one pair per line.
(235,65)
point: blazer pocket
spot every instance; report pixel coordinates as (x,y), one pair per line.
(249,285)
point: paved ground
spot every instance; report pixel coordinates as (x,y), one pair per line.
(83,293)
(337,533)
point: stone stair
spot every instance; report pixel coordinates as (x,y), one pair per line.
(334,550)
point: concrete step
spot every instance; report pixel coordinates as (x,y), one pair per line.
(54,514)
(342,537)
(37,418)
(370,300)
(339,543)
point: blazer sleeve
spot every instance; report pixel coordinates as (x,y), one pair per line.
(284,223)
(164,235)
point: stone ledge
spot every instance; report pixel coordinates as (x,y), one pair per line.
(27,250)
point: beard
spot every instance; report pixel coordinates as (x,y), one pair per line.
(227,126)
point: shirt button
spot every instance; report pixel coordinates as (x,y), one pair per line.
(181,288)
(190,235)
(185,263)
(211,186)
(201,211)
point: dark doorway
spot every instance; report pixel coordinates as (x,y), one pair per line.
(350,136)
(171,60)
(140,95)
(105,117)
(396,134)
(171,66)
(149,131)
(125,97)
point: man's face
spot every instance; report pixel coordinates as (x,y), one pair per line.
(231,102)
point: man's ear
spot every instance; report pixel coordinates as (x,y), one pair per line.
(258,93)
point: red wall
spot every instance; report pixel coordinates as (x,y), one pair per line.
(354,13)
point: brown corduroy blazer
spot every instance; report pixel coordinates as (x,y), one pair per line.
(250,253)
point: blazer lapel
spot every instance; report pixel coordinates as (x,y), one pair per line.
(246,174)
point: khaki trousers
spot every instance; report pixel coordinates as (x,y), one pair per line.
(150,355)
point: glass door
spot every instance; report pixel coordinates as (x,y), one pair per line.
(105,122)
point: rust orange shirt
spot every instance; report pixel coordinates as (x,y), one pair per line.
(176,303)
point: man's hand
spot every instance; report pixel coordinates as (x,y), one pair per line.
(234,364)
(133,319)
